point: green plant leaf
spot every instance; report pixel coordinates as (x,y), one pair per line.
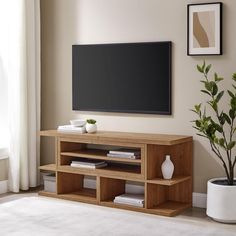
(208,86)
(232,114)
(233,103)
(213,104)
(214,88)
(91,121)
(218,128)
(231,145)
(203,65)
(220,79)
(199,69)
(222,119)
(219,96)
(197,107)
(198,123)
(230,94)
(204,91)
(222,142)
(208,69)
(193,111)
(202,135)
(227,118)
(217,79)
(234,76)
(215,76)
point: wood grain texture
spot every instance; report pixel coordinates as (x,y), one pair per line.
(49,167)
(76,196)
(169,182)
(156,195)
(68,182)
(181,192)
(113,171)
(162,197)
(162,139)
(110,188)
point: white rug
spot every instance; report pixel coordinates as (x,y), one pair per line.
(48,217)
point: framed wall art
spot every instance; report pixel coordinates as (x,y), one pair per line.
(204,29)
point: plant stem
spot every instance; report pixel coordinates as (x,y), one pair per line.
(216,151)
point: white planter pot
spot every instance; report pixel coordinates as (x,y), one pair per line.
(221,202)
(91,128)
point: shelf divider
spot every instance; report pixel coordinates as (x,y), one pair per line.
(49,167)
(169,182)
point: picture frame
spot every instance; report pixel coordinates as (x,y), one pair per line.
(204,29)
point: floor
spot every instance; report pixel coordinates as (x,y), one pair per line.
(195,215)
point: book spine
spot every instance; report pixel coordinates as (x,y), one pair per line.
(82,166)
(138,201)
(121,156)
(124,153)
(129,203)
(87,163)
(88,166)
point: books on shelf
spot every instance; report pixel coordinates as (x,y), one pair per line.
(123,156)
(125,153)
(130,199)
(71,128)
(92,164)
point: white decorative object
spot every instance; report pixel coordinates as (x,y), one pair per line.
(167,168)
(78,122)
(50,183)
(91,128)
(221,201)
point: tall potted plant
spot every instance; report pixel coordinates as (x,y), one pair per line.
(220,129)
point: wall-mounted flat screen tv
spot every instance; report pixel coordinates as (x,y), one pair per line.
(122,77)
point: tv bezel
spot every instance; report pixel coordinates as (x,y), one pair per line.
(75,107)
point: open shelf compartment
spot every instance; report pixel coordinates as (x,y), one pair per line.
(118,166)
(179,154)
(98,151)
(73,187)
(169,200)
(110,188)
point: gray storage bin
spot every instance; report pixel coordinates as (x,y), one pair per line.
(50,183)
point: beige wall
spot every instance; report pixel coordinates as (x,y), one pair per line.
(67,22)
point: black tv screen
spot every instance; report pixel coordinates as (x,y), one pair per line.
(125,77)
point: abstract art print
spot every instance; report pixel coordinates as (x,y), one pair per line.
(205,29)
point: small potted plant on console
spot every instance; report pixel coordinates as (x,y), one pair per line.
(220,129)
(91,126)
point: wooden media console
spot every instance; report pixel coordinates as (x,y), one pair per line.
(162,197)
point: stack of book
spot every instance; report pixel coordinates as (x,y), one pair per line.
(72,128)
(130,199)
(91,164)
(125,153)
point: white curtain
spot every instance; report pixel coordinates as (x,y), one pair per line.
(22,65)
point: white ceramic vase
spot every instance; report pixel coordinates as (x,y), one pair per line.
(167,168)
(221,201)
(91,128)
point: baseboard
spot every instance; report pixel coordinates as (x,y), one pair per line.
(199,200)
(3,186)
